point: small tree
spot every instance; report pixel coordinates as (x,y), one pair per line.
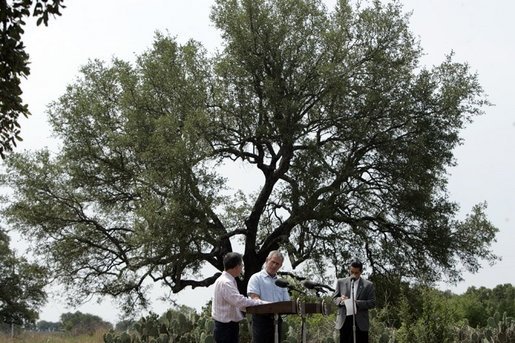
(21,286)
(79,323)
(46,326)
(437,320)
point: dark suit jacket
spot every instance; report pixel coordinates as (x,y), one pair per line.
(365,299)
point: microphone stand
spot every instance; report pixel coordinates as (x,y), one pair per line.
(300,305)
(301,310)
(276,327)
(353,311)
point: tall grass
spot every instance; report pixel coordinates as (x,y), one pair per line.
(52,337)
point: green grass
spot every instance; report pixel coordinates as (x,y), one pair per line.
(39,337)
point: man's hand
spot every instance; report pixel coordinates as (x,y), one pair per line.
(342,300)
(254,296)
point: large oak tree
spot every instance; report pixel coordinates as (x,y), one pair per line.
(350,136)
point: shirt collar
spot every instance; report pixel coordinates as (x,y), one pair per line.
(228,275)
(265,273)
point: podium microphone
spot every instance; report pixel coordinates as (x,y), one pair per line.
(285,284)
(316,286)
(282,283)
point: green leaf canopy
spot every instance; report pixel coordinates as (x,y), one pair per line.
(349,136)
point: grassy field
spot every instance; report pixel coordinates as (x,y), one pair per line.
(38,337)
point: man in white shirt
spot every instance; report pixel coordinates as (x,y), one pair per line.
(228,302)
(262,286)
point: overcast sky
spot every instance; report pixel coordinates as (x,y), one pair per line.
(478,31)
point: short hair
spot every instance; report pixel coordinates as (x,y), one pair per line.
(232,259)
(357,264)
(275,253)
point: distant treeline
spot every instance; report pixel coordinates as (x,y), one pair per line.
(76,323)
(398,303)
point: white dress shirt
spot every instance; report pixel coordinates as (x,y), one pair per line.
(228,302)
(264,286)
(354,286)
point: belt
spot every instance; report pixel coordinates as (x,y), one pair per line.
(228,323)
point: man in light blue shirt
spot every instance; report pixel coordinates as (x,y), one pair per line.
(262,286)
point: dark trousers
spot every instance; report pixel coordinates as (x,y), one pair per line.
(226,332)
(346,333)
(263,328)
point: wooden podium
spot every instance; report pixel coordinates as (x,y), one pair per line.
(281,307)
(289,307)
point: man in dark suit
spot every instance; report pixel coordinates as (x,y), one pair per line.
(357,303)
